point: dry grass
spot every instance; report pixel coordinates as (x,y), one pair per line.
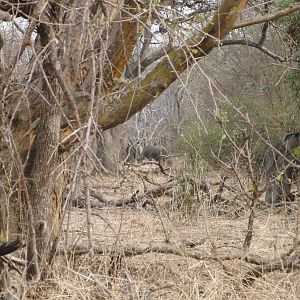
(167,276)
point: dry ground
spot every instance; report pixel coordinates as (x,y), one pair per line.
(169,276)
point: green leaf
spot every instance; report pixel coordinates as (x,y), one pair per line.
(178,60)
(254,188)
(280,177)
(223,137)
(296,151)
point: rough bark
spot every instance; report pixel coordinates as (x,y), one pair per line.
(42,178)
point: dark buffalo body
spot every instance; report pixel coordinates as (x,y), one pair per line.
(282,169)
(153,152)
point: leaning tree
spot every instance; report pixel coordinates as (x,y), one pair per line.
(70,69)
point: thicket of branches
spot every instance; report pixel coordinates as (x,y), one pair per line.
(72,69)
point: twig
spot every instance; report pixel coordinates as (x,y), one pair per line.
(88,212)
(253,44)
(166,232)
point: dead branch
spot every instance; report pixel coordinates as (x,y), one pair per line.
(136,197)
(16,260)
(253,44)
(178,248)
(181,248)
(98,200)
(287,264)
(268,18)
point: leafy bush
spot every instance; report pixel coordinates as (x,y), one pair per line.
(268,120)
(203,147)
(291,23)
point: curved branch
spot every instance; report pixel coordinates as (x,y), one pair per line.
(268,18)
(254,45)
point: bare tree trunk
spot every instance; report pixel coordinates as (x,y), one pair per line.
(41,173)
(41,186)
(109,144)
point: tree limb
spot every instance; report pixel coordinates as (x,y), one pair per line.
(9,247)
(254,45)
(178,248)
(147,61)
(120,51)
(287,264)
(268,18)
(136,197)
(168,70)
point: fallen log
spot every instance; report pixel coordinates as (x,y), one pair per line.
(283,264)
(180,248)
(137,249)
(100,201)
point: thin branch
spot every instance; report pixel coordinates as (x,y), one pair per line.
(254,45)
(185,17)
(88,212)
(268,18)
